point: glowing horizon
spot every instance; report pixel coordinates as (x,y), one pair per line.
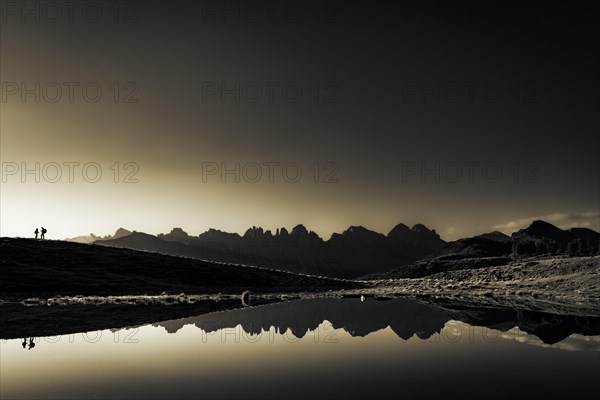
(374,141)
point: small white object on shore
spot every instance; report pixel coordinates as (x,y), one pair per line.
(246,298)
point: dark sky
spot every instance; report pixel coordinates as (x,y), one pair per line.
(497,102)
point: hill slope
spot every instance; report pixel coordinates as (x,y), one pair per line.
(47,268)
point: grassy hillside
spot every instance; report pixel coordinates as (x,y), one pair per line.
(46,268)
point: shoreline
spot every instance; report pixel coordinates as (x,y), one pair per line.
(59,286)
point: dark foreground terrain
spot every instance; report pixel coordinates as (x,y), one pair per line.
(35,268)
(55,287)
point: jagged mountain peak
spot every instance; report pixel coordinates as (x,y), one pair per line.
(543,228)
(178,231)
(421,228)
(400,230)
(121,232)
(299,230)
(361,233)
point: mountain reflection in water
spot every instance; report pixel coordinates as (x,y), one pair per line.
(311,348)
(406,318)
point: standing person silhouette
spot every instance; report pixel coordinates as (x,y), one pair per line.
(36,232)
(43,233)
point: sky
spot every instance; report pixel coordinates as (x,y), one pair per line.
(467,117)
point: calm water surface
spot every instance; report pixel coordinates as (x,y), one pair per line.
(310,349)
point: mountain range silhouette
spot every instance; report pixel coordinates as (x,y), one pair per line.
(355,252)
(495,249)
(359,252)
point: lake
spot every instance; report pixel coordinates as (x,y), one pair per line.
(316,348)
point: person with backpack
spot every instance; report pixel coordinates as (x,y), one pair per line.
(43,233)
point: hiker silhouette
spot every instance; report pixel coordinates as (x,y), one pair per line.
(43,233)
(31,344)
(36,232)
(24,344)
